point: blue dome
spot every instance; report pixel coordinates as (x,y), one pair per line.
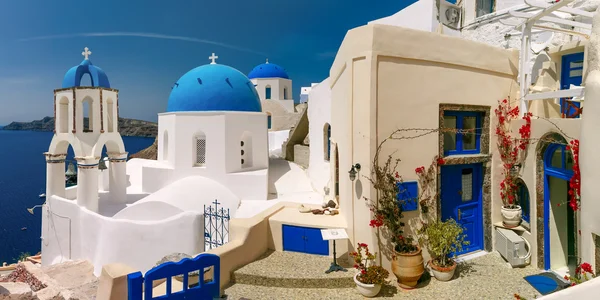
(73,76)
(268,70)
(214,87)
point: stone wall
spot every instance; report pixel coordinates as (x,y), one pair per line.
(301,155)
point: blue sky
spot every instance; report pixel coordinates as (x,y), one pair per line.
(145,46)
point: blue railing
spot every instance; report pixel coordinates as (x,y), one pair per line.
(140,287)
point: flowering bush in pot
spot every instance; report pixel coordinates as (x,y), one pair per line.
(442,239)
(407,259)
(512,153)
(370,277)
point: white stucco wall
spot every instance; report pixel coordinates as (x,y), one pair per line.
(276,140)
(586,290)
(72,232)
(319,114)
(223,131)
(419,15)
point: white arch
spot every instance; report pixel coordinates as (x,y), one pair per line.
(60,145)
(113,145)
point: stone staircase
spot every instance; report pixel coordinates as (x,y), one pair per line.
(290,275)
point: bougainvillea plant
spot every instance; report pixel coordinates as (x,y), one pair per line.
(512,150)
(387,210)
(575,181)
(427,182)
(583,273)
(369,273)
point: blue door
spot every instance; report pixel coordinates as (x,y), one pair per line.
(461,201)
(571,73)
(304,240)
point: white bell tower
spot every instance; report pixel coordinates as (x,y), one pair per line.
(99,104)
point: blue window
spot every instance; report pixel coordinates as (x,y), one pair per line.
(468,139)
(523,198)
(408,195)
(269,121)
(284,93)
(571,74)
(268,92)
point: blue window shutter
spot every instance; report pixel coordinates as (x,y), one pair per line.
(408,195)
(269,121)
(268,93)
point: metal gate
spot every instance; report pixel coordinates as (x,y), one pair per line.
(216,226)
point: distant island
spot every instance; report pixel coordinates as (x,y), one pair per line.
(127,127)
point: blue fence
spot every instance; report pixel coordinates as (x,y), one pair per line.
(140,287)
(216,225)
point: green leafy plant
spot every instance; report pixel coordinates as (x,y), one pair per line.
(23,256)
(442,239)
(369,272)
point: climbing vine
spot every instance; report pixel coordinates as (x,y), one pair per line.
(575,181)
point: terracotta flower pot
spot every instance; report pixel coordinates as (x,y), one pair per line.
(367,290)
(511,217)
(443,273)
(408,268)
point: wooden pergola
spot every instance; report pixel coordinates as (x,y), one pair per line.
(525,22)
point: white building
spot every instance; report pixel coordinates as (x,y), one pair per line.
(274,88)
(212,147)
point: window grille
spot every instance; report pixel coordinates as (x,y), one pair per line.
(200,151)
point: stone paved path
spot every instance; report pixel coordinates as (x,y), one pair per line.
(487,277)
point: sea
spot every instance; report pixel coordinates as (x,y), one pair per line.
(22,180)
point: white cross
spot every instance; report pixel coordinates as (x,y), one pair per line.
(213,58)
(86,53)
(267,60)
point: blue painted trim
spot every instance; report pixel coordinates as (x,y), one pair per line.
(267,93)
(561,173)
(408,195)
(73,76)
(459,137)
(524,199)
(304,240)
(269,121)
(566,80)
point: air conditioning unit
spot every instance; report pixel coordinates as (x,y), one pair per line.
(512,247)
(450,14)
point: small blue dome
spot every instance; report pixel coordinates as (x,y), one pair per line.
(214,87)
(268,70)
(73,76)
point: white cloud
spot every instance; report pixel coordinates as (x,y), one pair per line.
(142,35)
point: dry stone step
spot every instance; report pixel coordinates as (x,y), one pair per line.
(293,270)
(16,291)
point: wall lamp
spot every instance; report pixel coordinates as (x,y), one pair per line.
(355,168)
(30,210)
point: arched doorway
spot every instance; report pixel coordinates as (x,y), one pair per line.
(559,221)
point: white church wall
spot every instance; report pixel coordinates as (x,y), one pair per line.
(276,140)
(277,86)
(223,131)
(89,98)
(319,115)
(166,138)
(148,211)
(190,194)
(139,244)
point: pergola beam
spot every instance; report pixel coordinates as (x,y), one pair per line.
(529,16)
(573,11)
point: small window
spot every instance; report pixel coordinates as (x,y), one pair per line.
(462,134)
(269,121)
(200,151)
(484,7)
(284,93)
(523,199)
(268,92)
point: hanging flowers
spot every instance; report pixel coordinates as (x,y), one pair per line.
(575,181)
(512,150)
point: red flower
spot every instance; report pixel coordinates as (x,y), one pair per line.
(362,245)
(587,267)
(440,161)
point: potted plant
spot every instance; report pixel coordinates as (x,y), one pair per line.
(512,153)
(583,273)
(369,277)
(407,259)
(442,239)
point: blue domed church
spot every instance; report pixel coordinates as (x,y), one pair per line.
(274,88)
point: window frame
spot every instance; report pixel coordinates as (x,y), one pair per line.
(459,137)
(197,139)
